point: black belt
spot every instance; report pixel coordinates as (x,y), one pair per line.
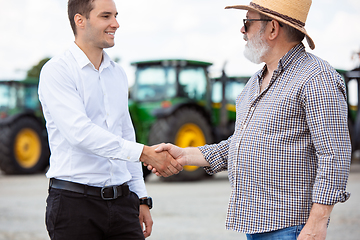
(106,193)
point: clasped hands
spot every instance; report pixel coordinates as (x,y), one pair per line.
(163,159)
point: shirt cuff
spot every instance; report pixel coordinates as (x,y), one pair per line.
(215,165)
(138,187)
(131,151)
(327,195)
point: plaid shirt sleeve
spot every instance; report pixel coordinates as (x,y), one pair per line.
(325,106)
(217,156)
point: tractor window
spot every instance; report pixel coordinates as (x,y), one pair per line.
(4,96)
(233,89)
(352,88)
(7,96)
(353,94)
(31,97)
(192,83)
(216,92)
(154,83)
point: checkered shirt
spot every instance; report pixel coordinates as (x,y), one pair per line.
(290,148)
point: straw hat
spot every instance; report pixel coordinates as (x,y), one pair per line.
(292,13)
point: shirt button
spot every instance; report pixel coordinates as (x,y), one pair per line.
(128,158)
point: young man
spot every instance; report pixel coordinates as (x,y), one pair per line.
(96,182)
(289,157)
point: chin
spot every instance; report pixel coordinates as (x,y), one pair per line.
(108,45)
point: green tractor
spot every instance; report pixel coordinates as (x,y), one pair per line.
(23,138)
(175,101)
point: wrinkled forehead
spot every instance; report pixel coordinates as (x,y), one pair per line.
(252,14)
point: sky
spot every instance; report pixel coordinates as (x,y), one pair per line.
(31,30)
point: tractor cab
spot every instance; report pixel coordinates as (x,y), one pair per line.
(168,79)
(16,96)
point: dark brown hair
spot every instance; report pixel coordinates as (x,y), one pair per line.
(82,7)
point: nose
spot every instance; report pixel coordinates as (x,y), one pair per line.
(115,23)
(242,30)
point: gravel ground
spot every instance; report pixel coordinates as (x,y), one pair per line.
(182,211)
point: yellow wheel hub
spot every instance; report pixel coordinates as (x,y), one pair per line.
(27,148)
(190,135)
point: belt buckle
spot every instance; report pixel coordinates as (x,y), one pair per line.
(114,190)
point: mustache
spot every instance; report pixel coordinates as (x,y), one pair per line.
(245,37)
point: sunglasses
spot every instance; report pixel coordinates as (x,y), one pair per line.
(248,21)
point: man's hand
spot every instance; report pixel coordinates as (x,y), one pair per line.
(316,226)
(165,164)
(313,232)
(145,220)
(185,156)
(176,152)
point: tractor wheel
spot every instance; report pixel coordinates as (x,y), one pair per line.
(23,149)
(185,128)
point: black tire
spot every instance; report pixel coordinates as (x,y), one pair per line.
(169,130)
(23,148)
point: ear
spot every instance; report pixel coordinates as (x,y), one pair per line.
(275,29)
(79,20)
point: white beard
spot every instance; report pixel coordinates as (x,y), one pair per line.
(256,48)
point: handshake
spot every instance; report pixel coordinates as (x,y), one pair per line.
(167,159)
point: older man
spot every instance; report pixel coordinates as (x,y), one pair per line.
(289,157)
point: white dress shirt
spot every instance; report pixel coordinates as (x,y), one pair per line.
(91,136)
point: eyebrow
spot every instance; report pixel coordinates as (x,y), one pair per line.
(108,13)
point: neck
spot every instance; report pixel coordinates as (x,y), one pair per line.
(276,53)
(94,54)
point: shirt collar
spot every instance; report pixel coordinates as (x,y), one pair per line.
(286,60)
(106,61)
(83,60)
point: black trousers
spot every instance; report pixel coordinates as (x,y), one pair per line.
(71,215)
